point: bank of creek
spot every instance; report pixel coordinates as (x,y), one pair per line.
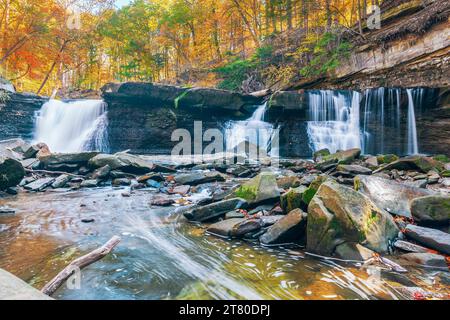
(337,224)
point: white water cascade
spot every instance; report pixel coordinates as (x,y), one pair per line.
(72,126)
(413,147)
(254,130)
(334,120)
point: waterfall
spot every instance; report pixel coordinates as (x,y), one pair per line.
(333,120)
(413,147)
(253,130)
(72,126)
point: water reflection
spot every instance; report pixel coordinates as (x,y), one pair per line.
(162,256)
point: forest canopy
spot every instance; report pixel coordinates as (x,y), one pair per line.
(68,44)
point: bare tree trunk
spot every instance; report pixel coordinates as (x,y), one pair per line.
(63,46)
(289,13)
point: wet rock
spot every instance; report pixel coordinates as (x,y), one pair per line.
(270,220)
(421,184)
(12,190)
(389,195)
(88,220)
(61,181)
(101,173)
(308,179)
(234,227)
(64,167)
(153,184)
(425,259)
(293,199)
(420,163)
(78,159)
(289,100)
(39,184)
(122,161)
(409,247)
(239,171)
(158,177)
(28,163)
(215,209)
(182,190)
(353,251)
(117,174)
(431,210)
(162,200)
(290,228)
(288,182)
(90,183)
(121,182)
(339,214)
(432,238)
(44,150)
(262,188)
(197,178)
(353,169)
(234,214)
(11,173)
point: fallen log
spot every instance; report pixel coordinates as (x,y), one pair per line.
(52,172)
(261,93)
(79,263)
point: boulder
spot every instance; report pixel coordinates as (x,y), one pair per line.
(431,210)
(61,181)
(409,246)
(182,190)
(432,238)
(162,200)
(39,184)
(121,182)
(371,162)
(342,157)
(291,228)
(270,220)
(353,169)
(288,100)
(386,158)
(390,195)
(215,209)
(353,251)
(425,259)
(90,183)
(31,151)
(420,163)
(293,199)
(79,159)
(339,214)
(122,161)
(101,173)
(262,188)
(235,227)
(11,172)
(196,178)
(318,155)
(313,187)
(288,182)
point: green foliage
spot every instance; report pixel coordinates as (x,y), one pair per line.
(327,54)
(248,193)
(236,71)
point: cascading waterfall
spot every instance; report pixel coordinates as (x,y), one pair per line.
(413,147)
(334,120)
(253,130)
(383,124)
(73,126)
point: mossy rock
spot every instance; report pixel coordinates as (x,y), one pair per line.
(310,192)
(318,155)
(342,157)
(261,188)
(386,158)
(445,173)
(442,158)
(293,199)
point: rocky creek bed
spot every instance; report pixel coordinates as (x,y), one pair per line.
(340,226)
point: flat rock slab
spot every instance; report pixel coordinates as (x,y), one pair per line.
(425,259)
(215,209)
(13,288)
(39,184)
(390,195)
(290,228)
(410,247)
(196,178)
(234,227)
(432,238)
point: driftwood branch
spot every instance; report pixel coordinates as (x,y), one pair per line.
(80,263)
(52,172)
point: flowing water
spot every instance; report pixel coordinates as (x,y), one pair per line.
(162,256)
(254,130)
(73,126)
(377,121)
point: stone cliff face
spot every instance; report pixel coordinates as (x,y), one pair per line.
(17,115)
(412,49)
